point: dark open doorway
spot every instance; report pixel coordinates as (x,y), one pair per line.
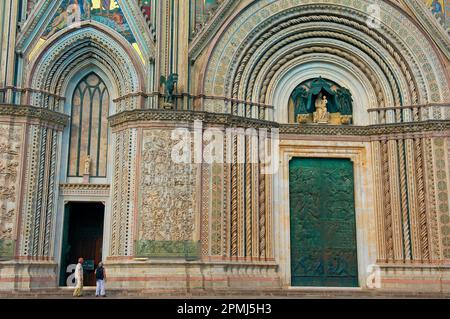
(82,237)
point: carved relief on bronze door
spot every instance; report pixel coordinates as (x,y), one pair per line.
(322,222)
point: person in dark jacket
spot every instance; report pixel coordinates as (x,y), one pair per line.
(100,276)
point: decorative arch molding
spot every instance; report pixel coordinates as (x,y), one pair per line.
(329,38)
(265,28)
(69,49)
(332,67)
(43,12)
(204,37)
(430,24)
(77,74)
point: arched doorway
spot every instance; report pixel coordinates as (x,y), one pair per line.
(85,176)
(82,237)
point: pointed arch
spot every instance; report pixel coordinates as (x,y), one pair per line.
(69,50)
(88,130)
(43,11)
(264,37)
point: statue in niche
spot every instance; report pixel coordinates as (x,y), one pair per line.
(169,87)
(309,102)
(321,114)
(345,101)
(87,165)
(299,96)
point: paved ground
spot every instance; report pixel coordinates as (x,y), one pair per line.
(312,293)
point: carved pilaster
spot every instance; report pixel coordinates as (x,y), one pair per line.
(248,198)
(395,201)
(433,227)
(39,187)
(168,200)
(206,208)
(379,204)
(387,202)
(404,200)
(441,184)
(412,199)
(241,195)
(234,201)
(420,182)
(123,201)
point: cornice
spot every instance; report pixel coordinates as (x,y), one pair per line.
(99,190)
(442,127)
(78,186)
(228,120)
(35,113)
(135,116)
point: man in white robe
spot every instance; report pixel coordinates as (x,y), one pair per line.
(79,278)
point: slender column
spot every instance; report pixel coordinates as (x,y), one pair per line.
(8,27)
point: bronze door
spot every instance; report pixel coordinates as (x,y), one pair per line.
(323,226)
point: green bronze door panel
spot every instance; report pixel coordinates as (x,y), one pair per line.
(323,226)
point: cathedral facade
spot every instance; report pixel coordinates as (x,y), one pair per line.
(225,144)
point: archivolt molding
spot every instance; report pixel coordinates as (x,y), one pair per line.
(324,41)
(282,23)
(73,64)
(83,66)
(373,73)
(431,25)
(66,50)
(398,47)
(335,65)
(41,16)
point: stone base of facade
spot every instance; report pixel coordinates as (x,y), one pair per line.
(27,275)
(181,277)
(413,278)
(176,275)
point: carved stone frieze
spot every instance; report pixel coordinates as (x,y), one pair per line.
(101,190)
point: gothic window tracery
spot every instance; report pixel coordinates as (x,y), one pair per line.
(89,128)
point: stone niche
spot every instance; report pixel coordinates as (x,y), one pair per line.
(321,101)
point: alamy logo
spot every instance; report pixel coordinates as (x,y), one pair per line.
(374,277)
(229,146)
(73,16)
(374,19)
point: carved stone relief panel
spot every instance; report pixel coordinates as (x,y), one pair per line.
(10,149)
(167,191)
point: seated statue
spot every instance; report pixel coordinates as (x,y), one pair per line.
(321,114)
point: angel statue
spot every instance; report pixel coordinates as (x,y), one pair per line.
(345,101)
(299,96)
(169,84)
